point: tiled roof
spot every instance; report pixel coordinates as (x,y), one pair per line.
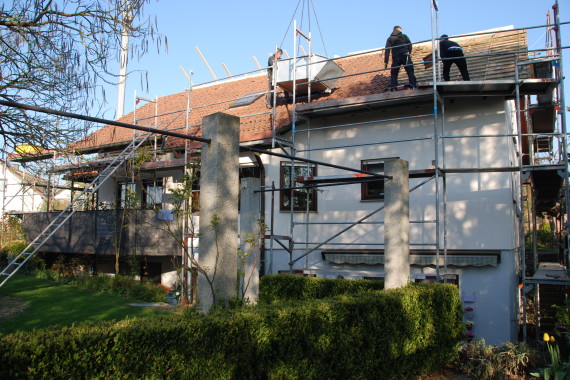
(363,75)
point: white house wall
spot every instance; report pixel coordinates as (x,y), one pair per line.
(481,207)
(17,198)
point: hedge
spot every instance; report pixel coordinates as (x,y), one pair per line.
(9,251)
(124,286)
(286,287)
(382,334)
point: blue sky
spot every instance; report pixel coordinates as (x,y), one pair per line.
(232,32)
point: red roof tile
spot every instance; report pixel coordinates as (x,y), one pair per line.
(363,75)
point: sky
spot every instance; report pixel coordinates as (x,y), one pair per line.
(232,32)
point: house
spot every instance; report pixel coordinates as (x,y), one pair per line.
(21,192)
(471,148)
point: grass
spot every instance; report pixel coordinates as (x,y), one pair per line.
(49,303)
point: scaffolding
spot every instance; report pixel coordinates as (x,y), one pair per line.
(534,149)
(538,159)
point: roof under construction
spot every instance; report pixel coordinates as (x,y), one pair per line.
(362,79)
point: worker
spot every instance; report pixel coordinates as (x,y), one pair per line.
(270,62)
(401,47)
(450,52)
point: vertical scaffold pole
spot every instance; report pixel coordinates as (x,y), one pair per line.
(562,116)
(434,11)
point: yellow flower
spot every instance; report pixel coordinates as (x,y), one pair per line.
(552,339)
(545,337)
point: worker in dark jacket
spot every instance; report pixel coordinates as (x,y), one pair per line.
(401,47)
(270,63)
(450,52)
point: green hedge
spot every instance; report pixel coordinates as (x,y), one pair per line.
(124,286)
(384,334)
(10,250)
(285,287)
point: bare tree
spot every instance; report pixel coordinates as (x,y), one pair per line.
(59,54)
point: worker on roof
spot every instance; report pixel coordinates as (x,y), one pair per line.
(450,52)
(401,47)
(272,61)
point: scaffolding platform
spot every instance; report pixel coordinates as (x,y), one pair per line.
(550,274)
(497,87)
(424,94)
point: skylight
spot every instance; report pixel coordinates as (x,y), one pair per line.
(247,99)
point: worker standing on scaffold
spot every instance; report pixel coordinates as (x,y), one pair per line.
(451,53)
(270,63)
(401,47)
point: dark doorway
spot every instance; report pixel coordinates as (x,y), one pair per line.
(151,271)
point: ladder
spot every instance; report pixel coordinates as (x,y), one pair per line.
(14,265)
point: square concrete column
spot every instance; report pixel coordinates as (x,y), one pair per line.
(219,195)
(249,224)
(396,224)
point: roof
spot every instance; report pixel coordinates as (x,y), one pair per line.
(363,76)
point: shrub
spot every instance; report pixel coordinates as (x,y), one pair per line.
(121,285)
(510,360)
(389,334)
(128,287)
(11,229)
(3,258)
(544,235)
(10,250)
(286,287)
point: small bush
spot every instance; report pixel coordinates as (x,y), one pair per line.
(128,287)
(511,360)
(10,250)
(544,235)
(124,286)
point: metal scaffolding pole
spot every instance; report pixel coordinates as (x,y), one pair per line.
(562,116)
(434,12)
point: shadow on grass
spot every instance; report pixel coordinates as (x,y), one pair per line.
(50,304)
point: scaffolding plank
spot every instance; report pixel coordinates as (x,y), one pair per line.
(551,274)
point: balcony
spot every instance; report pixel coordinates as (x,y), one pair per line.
(95,232)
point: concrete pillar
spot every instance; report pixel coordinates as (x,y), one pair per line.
(248,224)
(219,192)
(396,224)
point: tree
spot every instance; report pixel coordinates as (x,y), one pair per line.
(57,54)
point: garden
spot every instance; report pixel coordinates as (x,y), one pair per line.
(62,322)
(301,328)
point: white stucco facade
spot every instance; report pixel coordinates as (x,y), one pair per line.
(480,212)
(17,194)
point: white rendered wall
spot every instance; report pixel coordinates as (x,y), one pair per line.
(18,198)
(481,207)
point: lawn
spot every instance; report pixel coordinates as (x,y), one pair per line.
(49,303)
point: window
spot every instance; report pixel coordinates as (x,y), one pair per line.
(430,279)
(127,195)
(152,197)
(247,99)
(372,190)
(301,196)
